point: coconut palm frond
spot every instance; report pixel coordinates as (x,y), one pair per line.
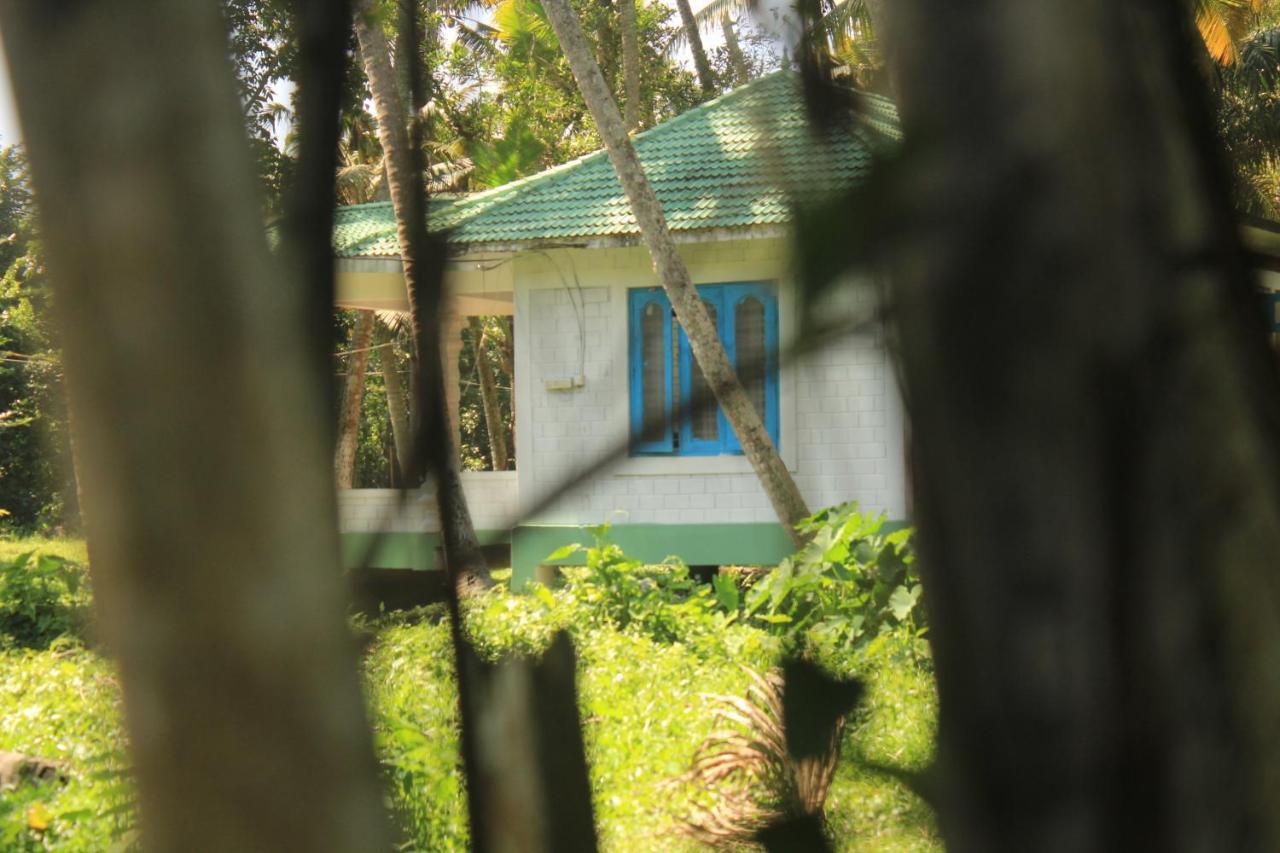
(847,22)
(359,183)
(393,321)
(479,38)
(749,771)
(449,176)
(1222,24)
(708,17)
(1215,34)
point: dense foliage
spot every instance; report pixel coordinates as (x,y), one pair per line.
(34,488)
(43,597)
(498,351)
(655,648)
(853,584)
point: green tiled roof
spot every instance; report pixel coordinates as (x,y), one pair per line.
(732,162)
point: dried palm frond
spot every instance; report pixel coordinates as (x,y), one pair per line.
(753,779)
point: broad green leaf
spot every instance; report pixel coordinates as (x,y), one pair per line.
(563,552)
(544,595)
(903,601)
(726,592)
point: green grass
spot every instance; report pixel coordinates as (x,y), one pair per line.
(70,549)
(645,707)
(645,702)
(62,704)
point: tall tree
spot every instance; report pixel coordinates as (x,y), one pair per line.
(360,345)
(397,402)
(630,62)
(498,455)
(1098,471)
(708,351)
(737,60)
(203,434)
(706,79)
(410,211)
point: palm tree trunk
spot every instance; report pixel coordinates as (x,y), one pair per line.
(737,60)
(203,434)
(344,454)
(397,404)
(706,79)
(1098,477)
(630,62)
(489,396)
(704,341)
(507,359)
(451,501)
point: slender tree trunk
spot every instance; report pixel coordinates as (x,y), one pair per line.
(203,434)
(708,351)
(392,131)
(1095,416)
(489,396)
(507,357)
(397,403)
(527,787)
(344,455)
(737,60)
(706,79)
(630,62)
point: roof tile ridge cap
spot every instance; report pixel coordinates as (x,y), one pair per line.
(599,152)
(718,101)
(496,192)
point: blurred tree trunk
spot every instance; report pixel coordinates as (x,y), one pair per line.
(708,351)
(344,455)
(202,431)
(693,35)
(397,403)
(489,396)
(630,62)
(1095,415)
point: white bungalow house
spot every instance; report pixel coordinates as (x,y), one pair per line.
(597,348)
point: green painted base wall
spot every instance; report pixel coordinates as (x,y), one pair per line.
(400,550)
(697,544)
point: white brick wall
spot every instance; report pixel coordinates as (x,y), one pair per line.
(841,419)
(491,496)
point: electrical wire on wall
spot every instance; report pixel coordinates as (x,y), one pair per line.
(579,308)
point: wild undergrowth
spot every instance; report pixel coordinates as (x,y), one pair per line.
(654,647)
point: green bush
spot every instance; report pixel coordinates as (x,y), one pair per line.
(653,648)
(42,597)
(850,585)
(661,602)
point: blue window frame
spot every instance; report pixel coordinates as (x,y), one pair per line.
(665,382)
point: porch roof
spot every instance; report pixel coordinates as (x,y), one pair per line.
(731,163)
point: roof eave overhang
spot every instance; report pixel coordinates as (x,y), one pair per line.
(611,241)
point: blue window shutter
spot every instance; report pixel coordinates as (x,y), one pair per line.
(643,374)
(735,296)
(690,443)
(652,380)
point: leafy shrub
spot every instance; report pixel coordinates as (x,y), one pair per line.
(42,597)
(409,678)
(853,582)
(661,602)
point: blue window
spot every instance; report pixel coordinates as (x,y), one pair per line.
(665,382)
